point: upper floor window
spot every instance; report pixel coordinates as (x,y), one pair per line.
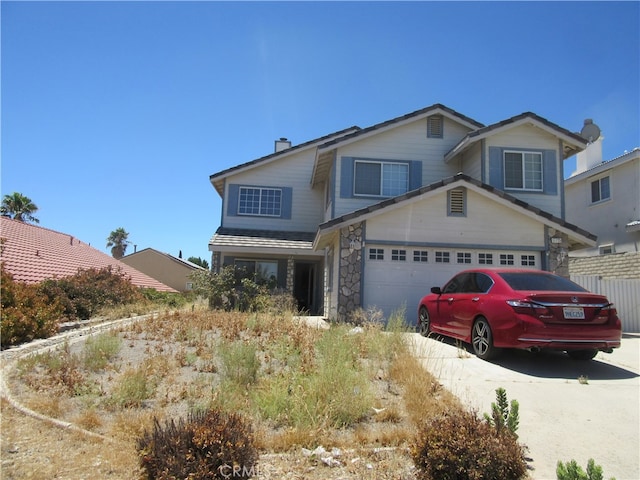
(434,126)
(260,201)
(600,190)
(523,170)
(386,179)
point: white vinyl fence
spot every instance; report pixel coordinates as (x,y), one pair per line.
(625,294)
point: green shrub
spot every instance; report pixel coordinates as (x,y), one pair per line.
(462,446)
(170,299)
(84,293)
(26,314)
(234,288)
(572,471)
(504,415)
(208,445)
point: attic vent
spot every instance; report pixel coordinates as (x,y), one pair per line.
(435,126)
(457,202)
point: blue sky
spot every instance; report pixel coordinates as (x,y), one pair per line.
(114,114)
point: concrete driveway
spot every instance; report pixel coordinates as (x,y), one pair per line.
(568,409)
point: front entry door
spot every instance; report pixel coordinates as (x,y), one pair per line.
(304,288)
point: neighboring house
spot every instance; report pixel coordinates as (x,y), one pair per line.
(32,254)
(170,270)
(373,217)
(604,198)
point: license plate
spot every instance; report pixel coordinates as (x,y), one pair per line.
(574,312)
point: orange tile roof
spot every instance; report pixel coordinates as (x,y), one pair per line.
(31,254)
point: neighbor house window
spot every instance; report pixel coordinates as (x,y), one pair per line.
(600,190)
(420,256)
(442,257)
(523,170)
(528,260)
(386,179)
(607,249)
(506,259)
(376,254)
(260,201)
(435,126)
(464,257)
(485,258)
(398,255)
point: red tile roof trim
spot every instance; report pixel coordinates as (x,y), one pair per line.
(32,254)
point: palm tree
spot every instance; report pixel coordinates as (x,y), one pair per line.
(19,207)
(118,242)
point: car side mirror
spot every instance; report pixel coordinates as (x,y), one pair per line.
(436,290)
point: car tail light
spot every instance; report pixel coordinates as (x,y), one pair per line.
(526,306)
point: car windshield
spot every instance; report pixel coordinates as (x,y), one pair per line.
(540,282)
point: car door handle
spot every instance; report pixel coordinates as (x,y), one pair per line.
(450,300)
(475,299)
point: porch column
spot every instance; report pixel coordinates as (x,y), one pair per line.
(559,254)
(350,270)
(290,274)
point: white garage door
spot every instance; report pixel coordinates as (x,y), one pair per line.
(400,276)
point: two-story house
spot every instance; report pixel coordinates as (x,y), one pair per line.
(604,197)
(373,217)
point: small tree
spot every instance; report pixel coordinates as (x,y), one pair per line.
(118,242)
(503,414)
(19,207)
(199,261)
(572,471)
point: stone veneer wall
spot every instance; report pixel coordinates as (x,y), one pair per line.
(350,270)
(558,255)
(615,265)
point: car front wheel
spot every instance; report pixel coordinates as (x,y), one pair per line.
(424,324)
(482,339)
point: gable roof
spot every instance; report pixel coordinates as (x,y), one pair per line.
(168,256)
(573,142)
(605,165)
(217,179)
(32,254)
(435,109)
(578,235)
(324,156)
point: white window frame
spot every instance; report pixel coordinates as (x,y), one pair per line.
(464,258)
(262,192)
(398,255)
(381,185)
(525,178)
(507,259)
(600,198)
(376,254)
(442,256)
(421,256)
(485,258)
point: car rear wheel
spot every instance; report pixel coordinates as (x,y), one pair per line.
(583,355)
(482,339)
(424,323)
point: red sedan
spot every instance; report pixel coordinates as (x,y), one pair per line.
(526,309)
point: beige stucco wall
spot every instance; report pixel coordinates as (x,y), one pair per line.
(161,267)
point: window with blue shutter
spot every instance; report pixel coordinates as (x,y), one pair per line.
(362,177)
(259,201)
(523,169)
